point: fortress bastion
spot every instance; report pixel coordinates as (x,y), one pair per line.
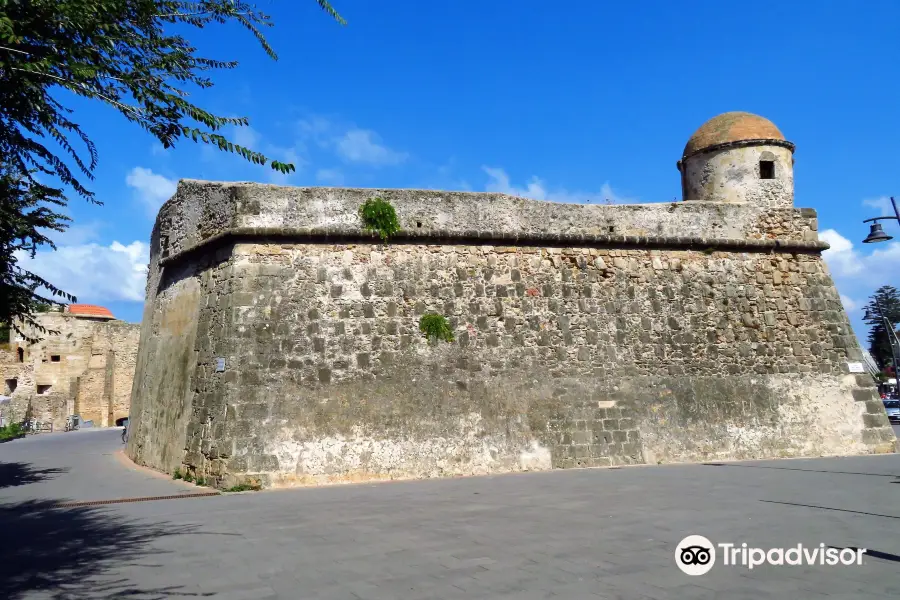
(280,340)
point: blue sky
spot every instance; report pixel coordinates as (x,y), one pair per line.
(591,101)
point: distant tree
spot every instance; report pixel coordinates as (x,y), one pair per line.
(128,54)
(885,302)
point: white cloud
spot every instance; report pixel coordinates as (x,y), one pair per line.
(364,146)
(315,126)
(842,259)
(285,155)
(250,138)
(500,183)
(93,272)
(857,274)
(330,177)
(536,189)
(881,205)
(850,305)
(253,140)
(246,137)
(150,188)
(440,177)
(75,233)
(351,143)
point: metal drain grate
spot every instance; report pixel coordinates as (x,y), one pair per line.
(127,500)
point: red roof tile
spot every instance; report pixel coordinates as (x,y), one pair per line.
(89,310)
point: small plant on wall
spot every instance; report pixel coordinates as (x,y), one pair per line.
(435,327)
(379,216)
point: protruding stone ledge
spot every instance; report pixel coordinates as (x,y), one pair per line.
(332,235)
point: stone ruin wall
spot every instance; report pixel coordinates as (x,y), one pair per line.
(585,336)
(93,377)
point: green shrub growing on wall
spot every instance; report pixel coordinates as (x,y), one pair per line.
(435,327)
(378,215)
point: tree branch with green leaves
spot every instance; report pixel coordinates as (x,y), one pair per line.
(882,309)
(131,55)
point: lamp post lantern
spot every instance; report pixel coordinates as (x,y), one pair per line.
(876,233)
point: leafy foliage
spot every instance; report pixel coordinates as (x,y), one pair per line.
(885,302)
(435,327)
(25,222)
(11,432)
(379,216)
(128,54)
(244,487)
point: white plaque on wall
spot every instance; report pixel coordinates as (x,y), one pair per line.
(220,365)
(856,367)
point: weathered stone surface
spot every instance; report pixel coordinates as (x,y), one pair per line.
(666,356)
(585,335)
(172,380)
(204,211)
(80,365)
(731,174)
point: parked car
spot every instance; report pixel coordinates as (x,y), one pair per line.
(892,408)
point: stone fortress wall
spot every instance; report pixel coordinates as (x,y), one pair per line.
(280,340)
(83,365)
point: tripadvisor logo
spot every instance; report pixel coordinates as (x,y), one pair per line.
(696,555)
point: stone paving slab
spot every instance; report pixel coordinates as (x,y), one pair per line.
(576,535)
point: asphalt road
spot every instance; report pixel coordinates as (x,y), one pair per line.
(578,534)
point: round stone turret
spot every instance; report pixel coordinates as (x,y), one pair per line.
(738,157)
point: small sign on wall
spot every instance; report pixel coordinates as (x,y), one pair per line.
(856,367)
(220,365)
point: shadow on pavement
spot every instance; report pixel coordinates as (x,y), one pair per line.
(799,469)
(13,474)
(71,553)
(873,553)
(846,510)
(76,553)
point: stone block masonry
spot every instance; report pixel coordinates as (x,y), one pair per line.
(80,364)
(280,340)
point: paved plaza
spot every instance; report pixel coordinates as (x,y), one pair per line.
(580,534)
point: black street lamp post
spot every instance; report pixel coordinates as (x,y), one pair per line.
(876,233)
